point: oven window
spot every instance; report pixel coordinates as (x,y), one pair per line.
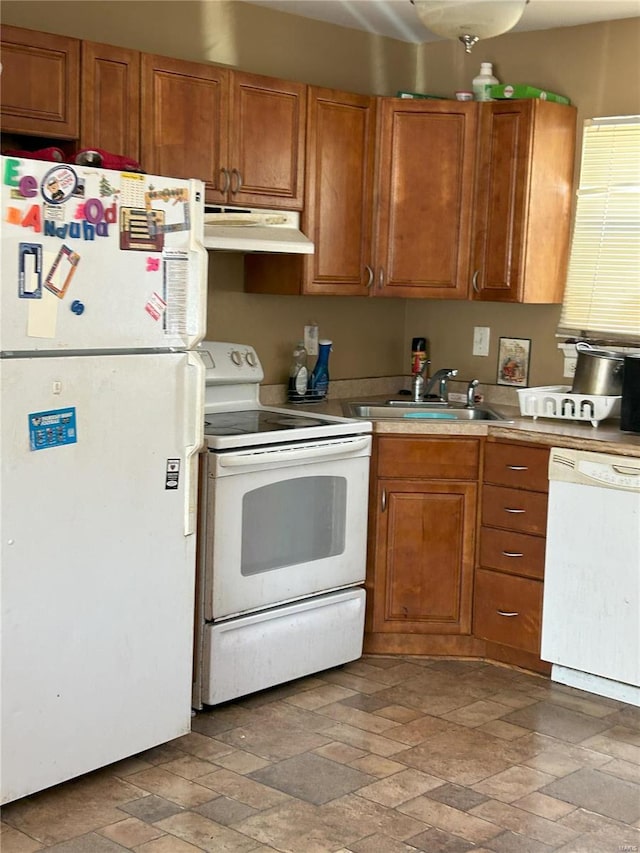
(293,522)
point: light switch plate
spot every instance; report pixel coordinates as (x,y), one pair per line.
(481,336)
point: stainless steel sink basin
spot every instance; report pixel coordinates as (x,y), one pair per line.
(407,410)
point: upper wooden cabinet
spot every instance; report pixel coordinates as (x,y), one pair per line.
(425,172)
(110,99)
(184,120)
(523,201)
(338,210)
(267,141)
(242,134)
(40,84)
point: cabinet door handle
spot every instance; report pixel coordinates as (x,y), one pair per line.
(474,281)
(369,276)
(517,511)
(384,500)
(227,181)
(508,613)
(238,186)
(517,467)
(381,278)
(512,554)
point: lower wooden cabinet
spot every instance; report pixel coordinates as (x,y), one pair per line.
(508,610)
(508,582)
(422,545)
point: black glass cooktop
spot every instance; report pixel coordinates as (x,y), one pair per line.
(256,420)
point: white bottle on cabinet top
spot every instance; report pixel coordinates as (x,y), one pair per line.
(483,81)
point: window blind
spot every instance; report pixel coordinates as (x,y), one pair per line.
(602,297)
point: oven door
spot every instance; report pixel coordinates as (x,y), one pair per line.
(285,522)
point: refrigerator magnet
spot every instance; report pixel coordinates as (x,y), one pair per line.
(53,428)
(59,276)
(30,271)
(58,184)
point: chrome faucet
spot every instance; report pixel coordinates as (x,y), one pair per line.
(471,393)
(420,388)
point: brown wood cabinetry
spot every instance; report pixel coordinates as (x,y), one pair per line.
(338,210)
(267,141)
(523,201)
(110,99)
(426,156)
(40,84)
(184,120)
(507,611)
(242,134)
(422,540)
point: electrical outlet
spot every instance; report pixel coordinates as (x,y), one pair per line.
(481,340)
(311,339)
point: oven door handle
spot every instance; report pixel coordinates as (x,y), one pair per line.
(336,450)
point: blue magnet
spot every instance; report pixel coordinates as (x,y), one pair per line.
(77,307)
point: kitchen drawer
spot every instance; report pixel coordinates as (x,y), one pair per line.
(514,509)
(508,610)
(516,466)
(514,553)
(431,458)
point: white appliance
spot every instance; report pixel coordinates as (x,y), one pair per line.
(103,298)
(235,229)
(283,535)
(591,611)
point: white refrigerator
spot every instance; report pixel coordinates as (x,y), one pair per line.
(103,298)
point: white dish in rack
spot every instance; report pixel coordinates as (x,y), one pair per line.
(557,401)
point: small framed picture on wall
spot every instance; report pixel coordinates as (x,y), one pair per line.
(513,361)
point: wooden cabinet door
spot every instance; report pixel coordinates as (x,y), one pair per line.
(110,99)
(338,211)
(424,556)
(40,92)
(339,192)
(523,201)
(425,171)
(184,121)
(267,141)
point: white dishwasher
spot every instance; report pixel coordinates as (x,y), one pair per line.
(591,611)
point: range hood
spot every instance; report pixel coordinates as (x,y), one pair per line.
(235,229)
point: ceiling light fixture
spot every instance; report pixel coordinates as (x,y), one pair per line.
(469,20)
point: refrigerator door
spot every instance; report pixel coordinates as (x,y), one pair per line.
(99,260)
(97,567)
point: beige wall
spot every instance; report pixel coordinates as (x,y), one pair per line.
(595,65)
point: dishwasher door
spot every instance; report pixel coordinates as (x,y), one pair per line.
(591,611)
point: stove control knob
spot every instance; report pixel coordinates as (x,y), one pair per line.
(251,358)
(236,357)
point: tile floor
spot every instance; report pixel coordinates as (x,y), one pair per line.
(384,755)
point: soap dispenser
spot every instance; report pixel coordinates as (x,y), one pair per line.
(319,383)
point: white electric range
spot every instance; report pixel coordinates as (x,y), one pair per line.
(283,527)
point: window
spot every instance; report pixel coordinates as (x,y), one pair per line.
(602,299)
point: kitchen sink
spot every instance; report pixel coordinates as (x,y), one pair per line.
(408,410)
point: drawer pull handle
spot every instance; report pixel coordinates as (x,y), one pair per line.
(518,467)
(511,509)
(512,554)
(507,613)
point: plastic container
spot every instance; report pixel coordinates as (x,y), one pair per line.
(418,355)
(319,384)
(483,82)
(558,401)
(464,95)
(298,375)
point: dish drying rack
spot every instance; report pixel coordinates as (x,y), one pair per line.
(557,401)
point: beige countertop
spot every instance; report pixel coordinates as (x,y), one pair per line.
(604,438)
